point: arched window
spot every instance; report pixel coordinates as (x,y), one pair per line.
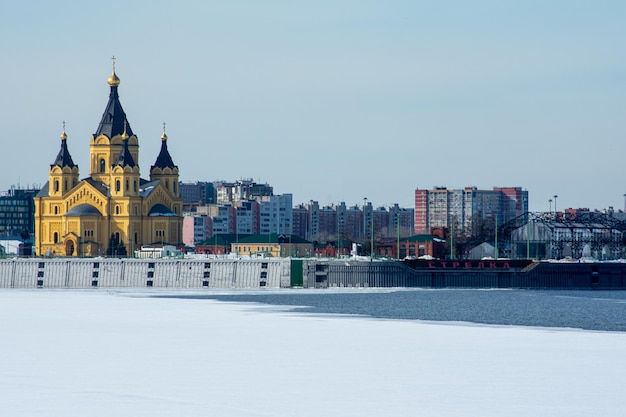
(56,186)
(65,185)
(56,237)
(102,165)
(136,238)
(117,209)
(167,184)
(127,185)
(117,185)
(135,186)
(174,186)
(56,210)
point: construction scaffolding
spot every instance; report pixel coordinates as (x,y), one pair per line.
(550,235)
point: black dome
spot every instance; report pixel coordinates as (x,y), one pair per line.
(160,210)
(84,210)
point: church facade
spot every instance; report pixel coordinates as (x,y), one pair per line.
(113,211)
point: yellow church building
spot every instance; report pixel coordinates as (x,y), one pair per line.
(113,211)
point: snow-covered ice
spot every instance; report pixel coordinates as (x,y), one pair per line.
(116,354)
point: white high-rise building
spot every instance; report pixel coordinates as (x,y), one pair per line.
(276,214)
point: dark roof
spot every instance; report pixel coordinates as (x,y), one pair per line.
(98,185)
(344,243)
(273,238)
(147,187)
(161,210)
(222,239)
(164,160)
(45,190)
(63,159)
(113,118)
(84,210)
(125,158)
(419,238)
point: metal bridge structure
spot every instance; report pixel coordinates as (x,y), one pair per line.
(550,235)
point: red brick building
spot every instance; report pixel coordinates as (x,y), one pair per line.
(422,245)
(333,249)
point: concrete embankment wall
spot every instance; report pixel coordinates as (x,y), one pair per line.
(306,273)
(141,273)
(594,275)
(395,274)
(539,275)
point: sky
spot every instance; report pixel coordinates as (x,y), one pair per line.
(332,101)
(109,353)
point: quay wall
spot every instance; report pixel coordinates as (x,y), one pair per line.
(303,273)
(142,273)
(499,274)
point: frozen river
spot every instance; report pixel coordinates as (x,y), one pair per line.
(112,353)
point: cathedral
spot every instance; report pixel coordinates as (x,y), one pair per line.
(113,211)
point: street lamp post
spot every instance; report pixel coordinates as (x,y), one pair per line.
(452,239)
(496,239)
(371,215)
(398,236)
(550,205)
(372,243)
(365,224)
(364,217)
(339,230)
(555,197)
(528,237)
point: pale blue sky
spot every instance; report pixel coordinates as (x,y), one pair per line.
(331,100)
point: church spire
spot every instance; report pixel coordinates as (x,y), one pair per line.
(63,159)
(164,160)
(125,158)
(113,119)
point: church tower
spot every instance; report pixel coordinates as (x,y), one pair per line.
(107,143)
(63,174)
(124,172)
(164,168)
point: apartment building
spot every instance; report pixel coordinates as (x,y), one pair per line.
(339,221)
(466,208)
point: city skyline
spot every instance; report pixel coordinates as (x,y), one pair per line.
(332,102)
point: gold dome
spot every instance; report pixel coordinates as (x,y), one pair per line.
(163,136)
(63,135)
(113,80)
(124,134)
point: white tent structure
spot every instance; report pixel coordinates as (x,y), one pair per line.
(10,246)
(484,250)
